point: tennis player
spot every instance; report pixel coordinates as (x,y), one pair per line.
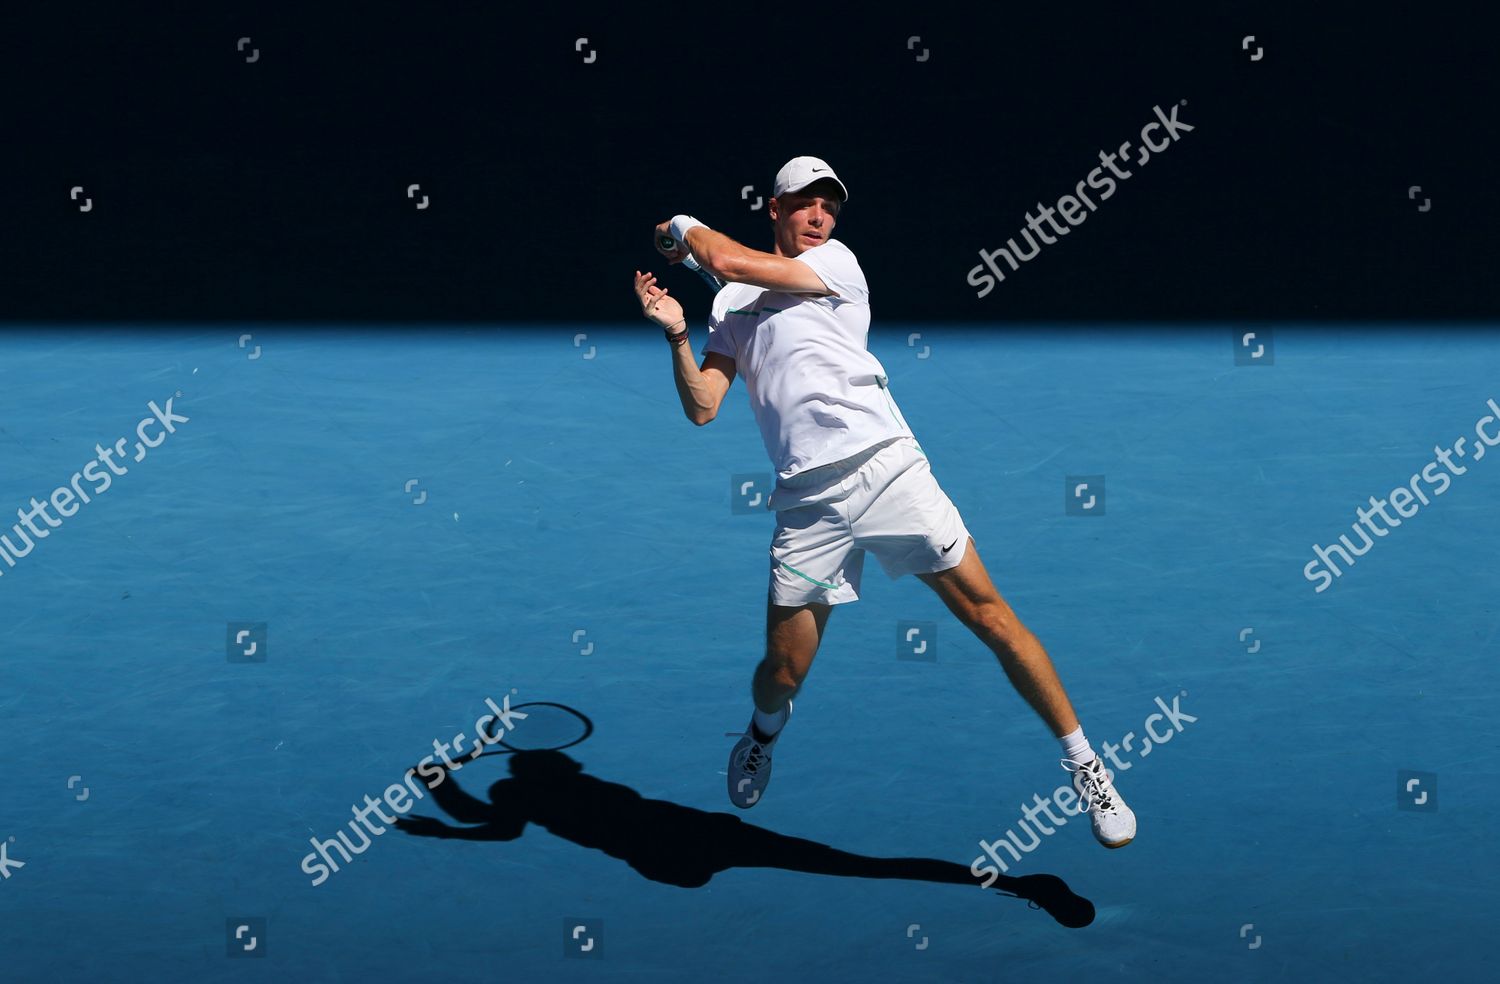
(851,478)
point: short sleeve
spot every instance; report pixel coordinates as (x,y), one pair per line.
(835,265)
(720,339)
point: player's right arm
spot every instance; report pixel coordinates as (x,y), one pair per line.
(734,262)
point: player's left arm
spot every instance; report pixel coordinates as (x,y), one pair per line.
(734,262)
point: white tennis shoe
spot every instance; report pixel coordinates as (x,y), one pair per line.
(1112,820)
(750,765)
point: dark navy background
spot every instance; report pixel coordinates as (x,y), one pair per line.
(276,190)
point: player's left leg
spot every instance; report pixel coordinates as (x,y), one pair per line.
(969,593)
(971,596)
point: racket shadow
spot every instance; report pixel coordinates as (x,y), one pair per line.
(679,845)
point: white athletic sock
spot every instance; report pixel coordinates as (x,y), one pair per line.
(770,724)
(1076,747)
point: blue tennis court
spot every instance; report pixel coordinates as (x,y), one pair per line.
(357,538)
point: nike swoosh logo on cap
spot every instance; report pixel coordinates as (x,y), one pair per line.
(817,169)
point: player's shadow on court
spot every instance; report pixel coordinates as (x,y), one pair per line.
(678,845)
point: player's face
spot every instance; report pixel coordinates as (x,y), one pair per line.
(804,219)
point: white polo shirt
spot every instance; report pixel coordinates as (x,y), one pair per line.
(817,393)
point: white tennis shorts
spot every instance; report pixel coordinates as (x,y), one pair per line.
(883,500)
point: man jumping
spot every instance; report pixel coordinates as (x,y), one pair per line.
(850,475)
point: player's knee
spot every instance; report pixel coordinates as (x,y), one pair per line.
(997,621)
(781,671)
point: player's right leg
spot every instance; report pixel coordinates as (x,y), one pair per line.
(792,638)
(814,565)
(793,634)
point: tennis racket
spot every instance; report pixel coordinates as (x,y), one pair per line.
(667,242)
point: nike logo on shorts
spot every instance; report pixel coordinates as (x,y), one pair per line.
(950,546)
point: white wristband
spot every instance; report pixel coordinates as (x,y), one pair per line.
(680,226)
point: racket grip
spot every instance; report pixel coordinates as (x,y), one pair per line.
(689,261)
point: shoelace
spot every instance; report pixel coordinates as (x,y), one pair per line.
(755,756)
(1097,785)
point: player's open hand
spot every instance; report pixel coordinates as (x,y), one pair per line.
(655,304)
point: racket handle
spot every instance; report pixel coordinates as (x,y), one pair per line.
(691,262)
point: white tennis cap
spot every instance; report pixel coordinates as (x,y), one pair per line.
(799,172)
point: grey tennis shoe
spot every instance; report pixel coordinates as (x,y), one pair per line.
(750,765)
